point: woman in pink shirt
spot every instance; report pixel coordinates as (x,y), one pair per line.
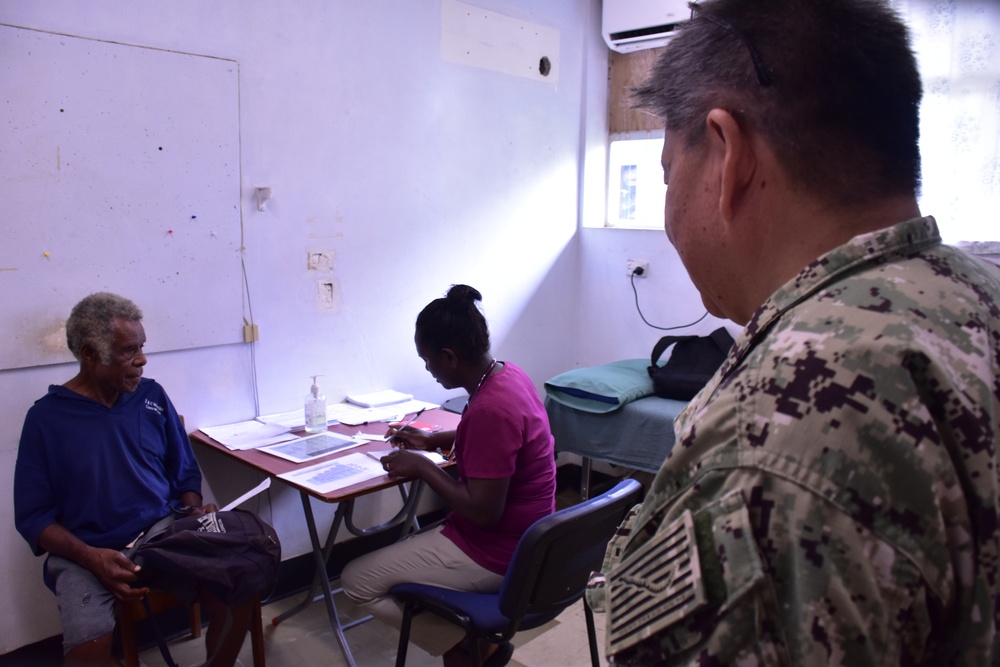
(504,456)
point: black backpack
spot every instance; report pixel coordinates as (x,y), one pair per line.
(691,365)
(233,554)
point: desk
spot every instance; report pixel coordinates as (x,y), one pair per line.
(271,465)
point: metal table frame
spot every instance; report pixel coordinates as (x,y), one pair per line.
(321,587)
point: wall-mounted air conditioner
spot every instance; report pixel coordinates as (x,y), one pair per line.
(631,25)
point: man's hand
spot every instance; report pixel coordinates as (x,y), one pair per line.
(115,572)
(111,567)
(191,504)
(207,509)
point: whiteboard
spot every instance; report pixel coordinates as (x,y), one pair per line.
(119,171)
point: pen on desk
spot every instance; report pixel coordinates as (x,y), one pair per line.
(405,424)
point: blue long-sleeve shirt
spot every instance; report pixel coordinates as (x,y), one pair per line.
(104,474)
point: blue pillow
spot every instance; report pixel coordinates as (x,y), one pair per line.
(601,388)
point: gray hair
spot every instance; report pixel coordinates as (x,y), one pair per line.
(832,85)
(90,322)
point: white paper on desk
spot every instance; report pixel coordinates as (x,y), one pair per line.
(354,415)
(302,450)
(248,435)
(335,474)
(370,436)
(376,399)
(433,456)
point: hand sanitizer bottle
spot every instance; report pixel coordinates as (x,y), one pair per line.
(315,409)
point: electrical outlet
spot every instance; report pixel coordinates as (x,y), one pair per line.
(639,267)
(319,260)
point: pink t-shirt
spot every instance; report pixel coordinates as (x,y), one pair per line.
(504,432)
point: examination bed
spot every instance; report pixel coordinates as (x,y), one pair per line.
(609,413)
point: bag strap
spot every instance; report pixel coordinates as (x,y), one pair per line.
(663,344)
(155,530)
(161,642)
(227,625)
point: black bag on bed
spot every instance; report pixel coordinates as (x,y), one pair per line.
(690,366)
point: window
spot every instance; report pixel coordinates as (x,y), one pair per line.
(957,51)
(635,182)
(634,176)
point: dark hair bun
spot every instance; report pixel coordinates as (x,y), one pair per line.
(464,293)
(455,321)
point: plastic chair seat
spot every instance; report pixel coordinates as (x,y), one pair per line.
(548,573)
(480,609)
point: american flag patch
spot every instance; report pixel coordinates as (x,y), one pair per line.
(654,587)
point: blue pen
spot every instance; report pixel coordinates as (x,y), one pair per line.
(405,424)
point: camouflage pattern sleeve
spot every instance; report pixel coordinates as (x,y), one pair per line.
(832,498)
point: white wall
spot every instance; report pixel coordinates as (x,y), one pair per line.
(611,328)
(415,173)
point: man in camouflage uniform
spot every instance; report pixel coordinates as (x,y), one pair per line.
(832,498)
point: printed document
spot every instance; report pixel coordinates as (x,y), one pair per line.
(312,447)
(335,474)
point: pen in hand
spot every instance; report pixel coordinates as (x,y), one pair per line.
(404,425)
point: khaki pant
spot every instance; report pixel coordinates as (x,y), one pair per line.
(426,558)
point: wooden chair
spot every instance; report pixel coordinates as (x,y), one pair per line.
(131,613)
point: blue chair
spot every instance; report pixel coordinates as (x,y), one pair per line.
(548,573)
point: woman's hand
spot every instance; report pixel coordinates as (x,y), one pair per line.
(409,438)
(415,438)
(401,463)
(481,501)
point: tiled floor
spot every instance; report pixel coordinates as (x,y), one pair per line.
(306,639)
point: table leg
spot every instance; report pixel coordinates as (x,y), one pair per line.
(411,499)
(585,467)
(321,580)
(406,516)
(314,595)
(321,554)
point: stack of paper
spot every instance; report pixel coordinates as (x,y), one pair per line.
(355,415)
(378,399)
(248,435)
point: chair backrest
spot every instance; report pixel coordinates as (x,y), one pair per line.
(555,556)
